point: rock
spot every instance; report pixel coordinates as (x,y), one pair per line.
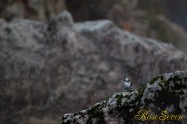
(180,9)
(62,66)
(165,93)
(32,9)
(137,16)
(140,17)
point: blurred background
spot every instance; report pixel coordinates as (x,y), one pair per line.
(163,20)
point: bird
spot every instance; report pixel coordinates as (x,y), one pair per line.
(127,85)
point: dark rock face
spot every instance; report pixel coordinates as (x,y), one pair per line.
(141,17)
(30,9)
(158,19)
(164,95)
(60,65)
(177,11)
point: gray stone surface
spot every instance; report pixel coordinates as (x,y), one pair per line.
(62,66)
(164,96)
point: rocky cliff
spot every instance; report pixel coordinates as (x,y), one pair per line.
(58,66)
(158,19)
(165,96)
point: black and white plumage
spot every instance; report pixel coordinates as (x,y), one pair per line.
(127,85)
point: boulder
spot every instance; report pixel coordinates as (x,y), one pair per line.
(62,66)
(163,99)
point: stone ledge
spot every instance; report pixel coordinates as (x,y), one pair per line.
(165,92)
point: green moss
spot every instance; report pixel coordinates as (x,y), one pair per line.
(172,96)
(161,77)
(118,98)
(96,112)
(167,82)
(141,90)
(82,114)
(123,109)
(176,79)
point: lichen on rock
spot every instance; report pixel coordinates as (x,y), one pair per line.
(165,92)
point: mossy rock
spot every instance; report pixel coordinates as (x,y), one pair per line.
(165,92)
